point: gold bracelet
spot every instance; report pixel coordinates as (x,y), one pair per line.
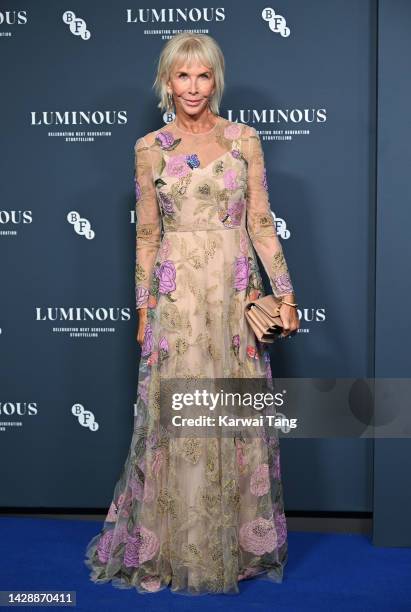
(289,303)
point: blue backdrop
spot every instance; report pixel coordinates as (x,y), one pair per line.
(316,80)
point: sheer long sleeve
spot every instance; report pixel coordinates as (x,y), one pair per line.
(148,222)
(260,223)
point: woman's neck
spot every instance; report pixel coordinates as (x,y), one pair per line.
(200,125)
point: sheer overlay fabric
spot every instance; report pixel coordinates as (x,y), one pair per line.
(198,514)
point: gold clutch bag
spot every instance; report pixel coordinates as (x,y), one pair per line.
(263,316)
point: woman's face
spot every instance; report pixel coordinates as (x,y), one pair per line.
(191,86)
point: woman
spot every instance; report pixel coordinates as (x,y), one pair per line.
(198,514)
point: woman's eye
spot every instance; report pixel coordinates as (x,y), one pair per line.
(182,76)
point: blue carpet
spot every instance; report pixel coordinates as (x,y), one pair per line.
(329,572)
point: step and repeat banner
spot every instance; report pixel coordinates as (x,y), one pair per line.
(76,94)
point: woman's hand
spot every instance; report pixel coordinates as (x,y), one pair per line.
(142,322)
(289,318)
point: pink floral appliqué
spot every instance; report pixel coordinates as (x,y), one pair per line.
(158,461)
(163,348)
(137,188)
(153,358)
(143,389)
(260,480)
(104,545)
(165,249)
(141,547)
(281,528)
(148,341)
(177,166)
(241,456)
(275,468)
(235,211)
(258,536)
(243,243)
(149,491)
(241,272)
(166,273)
(166,203)
(137,489)
(230,179)
(232,131)
(141,295)
(165,139)
(235,343)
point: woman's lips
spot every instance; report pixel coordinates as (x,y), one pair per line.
(192,102)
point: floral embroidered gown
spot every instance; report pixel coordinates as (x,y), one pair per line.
(198,514)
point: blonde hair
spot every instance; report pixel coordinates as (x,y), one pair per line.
(183,48)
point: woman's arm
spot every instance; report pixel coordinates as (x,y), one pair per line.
(260,223)
(148,222)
